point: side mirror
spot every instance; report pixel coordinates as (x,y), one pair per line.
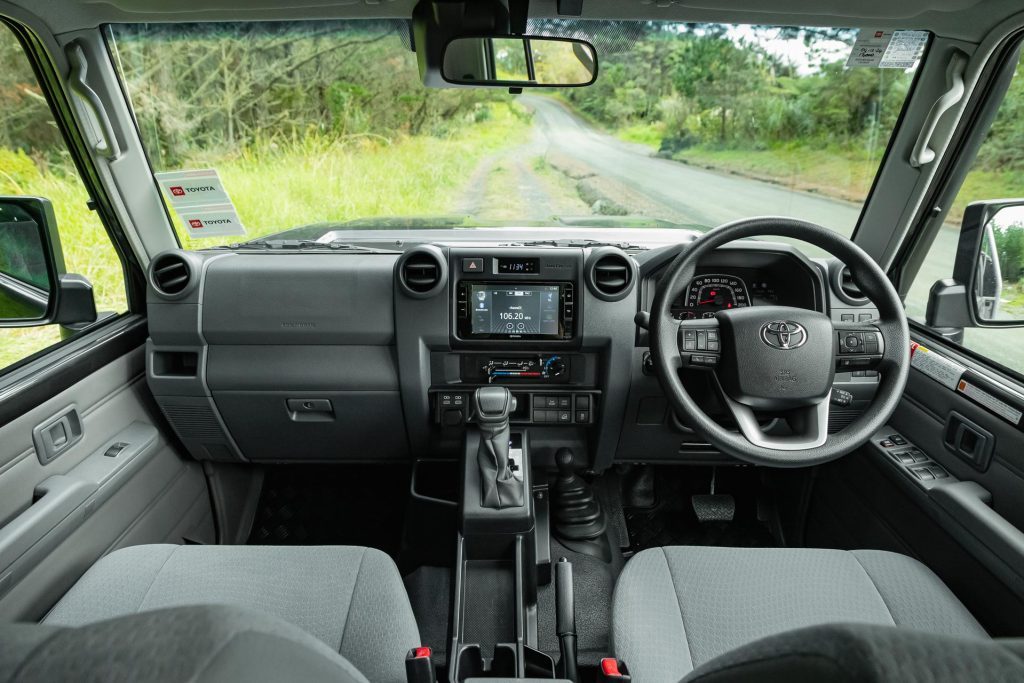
(34,289)
(519,62)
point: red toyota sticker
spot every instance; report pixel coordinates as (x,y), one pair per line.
(177,191)
(195,223)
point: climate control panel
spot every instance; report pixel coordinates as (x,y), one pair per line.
(536,368)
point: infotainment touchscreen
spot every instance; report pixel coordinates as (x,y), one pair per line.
(514,309)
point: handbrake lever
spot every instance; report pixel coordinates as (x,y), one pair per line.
(565,620)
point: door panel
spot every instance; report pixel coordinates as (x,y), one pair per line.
(967,527)
(57,519)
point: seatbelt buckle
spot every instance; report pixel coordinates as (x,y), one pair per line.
(419,668)
(613,670)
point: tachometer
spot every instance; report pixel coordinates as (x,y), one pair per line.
(708,294)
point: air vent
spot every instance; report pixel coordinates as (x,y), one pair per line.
(423,272)
(844,286)
(611,274)
(171,274)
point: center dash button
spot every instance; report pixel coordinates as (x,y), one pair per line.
(472,265)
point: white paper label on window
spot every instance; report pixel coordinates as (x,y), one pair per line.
(887,49)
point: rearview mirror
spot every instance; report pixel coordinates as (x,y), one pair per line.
(519,62)
(34,289)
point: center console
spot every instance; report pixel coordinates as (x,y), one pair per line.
(516,322)
(515,369)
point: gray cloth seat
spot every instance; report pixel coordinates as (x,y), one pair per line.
(351,599)
(677,608)
(199,644)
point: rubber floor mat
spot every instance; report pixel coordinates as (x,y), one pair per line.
(672,521)
(333,505)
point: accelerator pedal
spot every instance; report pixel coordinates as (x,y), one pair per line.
(713,507)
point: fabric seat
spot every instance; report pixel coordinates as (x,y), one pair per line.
(197,644)
(679,607)
(351,599)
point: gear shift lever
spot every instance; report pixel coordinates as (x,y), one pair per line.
(499,487)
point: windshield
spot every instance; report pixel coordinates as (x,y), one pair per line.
(328,123)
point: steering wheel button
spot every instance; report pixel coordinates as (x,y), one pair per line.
(712,345)
(851,341)
(689,345)
(712,336)
(689,334)
(702,340)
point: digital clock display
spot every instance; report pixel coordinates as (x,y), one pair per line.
(519,266)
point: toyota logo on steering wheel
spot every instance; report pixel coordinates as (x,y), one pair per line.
(783,334)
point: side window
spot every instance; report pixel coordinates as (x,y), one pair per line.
(34,161)
(997,173)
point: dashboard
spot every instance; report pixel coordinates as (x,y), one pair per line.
(375,356)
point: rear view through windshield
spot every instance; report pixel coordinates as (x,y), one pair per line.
(686,125)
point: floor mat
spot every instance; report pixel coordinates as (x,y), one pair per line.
(429,591)
(593,582)
(672,521)
(324,505)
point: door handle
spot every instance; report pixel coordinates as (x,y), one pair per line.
(968,441)
(57,434)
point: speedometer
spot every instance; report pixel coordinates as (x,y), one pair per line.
(708,294)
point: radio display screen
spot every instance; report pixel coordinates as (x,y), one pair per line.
(514,309)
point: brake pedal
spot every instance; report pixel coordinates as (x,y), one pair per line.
(713,507)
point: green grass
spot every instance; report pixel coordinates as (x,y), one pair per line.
(649,134)
(280,184)
(832,171)
(276,184)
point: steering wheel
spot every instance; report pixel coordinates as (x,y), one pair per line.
(779,359)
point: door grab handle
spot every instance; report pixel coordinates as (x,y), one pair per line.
(923,154)
(106,145)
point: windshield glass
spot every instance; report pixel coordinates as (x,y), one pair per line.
(687,125)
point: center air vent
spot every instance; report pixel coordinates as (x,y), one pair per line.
(844,286)
(172,274)
(423,271)
(610,274)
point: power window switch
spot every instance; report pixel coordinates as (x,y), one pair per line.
(923,473)
(115,449)
(904,458)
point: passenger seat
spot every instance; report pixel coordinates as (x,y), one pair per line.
(350,598)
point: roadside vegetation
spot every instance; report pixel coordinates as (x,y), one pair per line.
(710,98)
(328,122)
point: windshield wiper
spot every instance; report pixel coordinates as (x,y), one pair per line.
(576,243)
(282,244)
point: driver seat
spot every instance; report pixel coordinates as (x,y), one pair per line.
(677,608)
